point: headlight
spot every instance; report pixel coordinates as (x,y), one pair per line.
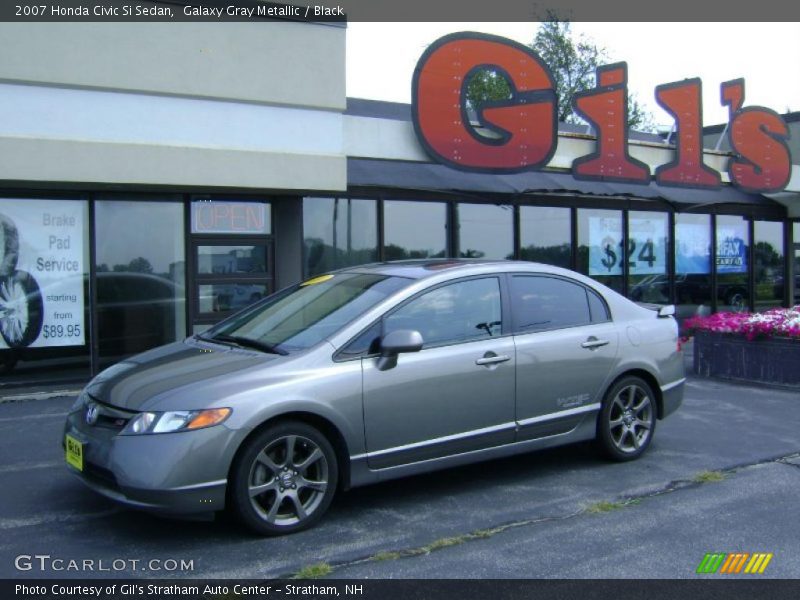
(180,420)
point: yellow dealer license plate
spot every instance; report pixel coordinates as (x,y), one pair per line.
(74,452)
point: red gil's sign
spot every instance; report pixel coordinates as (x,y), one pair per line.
(523,130)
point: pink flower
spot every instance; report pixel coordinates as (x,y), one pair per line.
(782,322)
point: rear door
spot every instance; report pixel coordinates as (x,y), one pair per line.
(566,345)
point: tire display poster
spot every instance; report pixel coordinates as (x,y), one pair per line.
(692,248)
(42,271)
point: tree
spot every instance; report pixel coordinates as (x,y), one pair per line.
(573,65)
(140,265)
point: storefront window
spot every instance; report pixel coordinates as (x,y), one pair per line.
(485,231)
(796,267)
(545,235)
(339,232)
(768,264)
(647,257)
(229,260)
(140,274)
(44,289)
(600,246)
(693,264)
(733,241)
(414,229)
(229,297)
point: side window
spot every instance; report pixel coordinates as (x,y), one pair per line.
(597,307)
(540,303)
(458,312)
(366,343)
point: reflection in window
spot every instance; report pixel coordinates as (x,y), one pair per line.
(732,243)
(227,297)
(485,231)
(600,248)
(692,264)
(542,303)
(225,260)
(647,257)
(339,232)
(545,235)
(414,229)
(768,264)
(459,312)
(140,277)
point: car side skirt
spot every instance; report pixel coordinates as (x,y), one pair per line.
(361,474)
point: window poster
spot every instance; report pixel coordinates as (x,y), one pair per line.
(692,248)
(732,246)
(647,241)
(42,272)
(605,245)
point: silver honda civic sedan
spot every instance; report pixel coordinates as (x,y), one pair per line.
(372,373)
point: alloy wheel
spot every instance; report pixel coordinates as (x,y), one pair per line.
(288,480)
(631,419)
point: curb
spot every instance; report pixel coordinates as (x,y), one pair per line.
(30,396)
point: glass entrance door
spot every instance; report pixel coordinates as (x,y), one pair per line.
(229,274)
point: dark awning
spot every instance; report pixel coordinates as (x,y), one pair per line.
(363,172)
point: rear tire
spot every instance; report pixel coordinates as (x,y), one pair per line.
(283,479)
(627,419)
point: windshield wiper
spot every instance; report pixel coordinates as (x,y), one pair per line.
(250,343)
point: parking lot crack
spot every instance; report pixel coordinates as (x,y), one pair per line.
(703,478)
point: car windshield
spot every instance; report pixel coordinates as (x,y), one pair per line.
(302,316)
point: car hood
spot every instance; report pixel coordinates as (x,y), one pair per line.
(139,382)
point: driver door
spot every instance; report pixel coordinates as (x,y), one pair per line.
(454,395)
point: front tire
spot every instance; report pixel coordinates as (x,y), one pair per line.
(627,420)
(284,479)
(21,309)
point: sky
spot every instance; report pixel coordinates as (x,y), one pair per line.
(381,58)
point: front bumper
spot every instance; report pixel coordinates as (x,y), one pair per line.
(180,473)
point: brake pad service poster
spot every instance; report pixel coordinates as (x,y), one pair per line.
(42,273)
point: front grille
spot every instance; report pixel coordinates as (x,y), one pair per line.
(111,417)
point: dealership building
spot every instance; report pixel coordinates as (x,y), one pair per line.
(156,177)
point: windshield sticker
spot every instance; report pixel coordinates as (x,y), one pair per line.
(316,280)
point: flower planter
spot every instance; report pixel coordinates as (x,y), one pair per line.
(733,356)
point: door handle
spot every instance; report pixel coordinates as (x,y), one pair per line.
(492,360)
(593,343)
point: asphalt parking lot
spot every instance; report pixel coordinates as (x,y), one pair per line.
(562,513)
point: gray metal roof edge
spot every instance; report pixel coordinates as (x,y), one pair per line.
(436,177)
(400,111)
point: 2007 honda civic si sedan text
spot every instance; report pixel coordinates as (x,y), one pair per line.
(372,373)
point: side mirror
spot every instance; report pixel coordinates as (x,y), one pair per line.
(666,311)
(395,342)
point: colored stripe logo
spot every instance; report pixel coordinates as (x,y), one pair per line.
(734,563)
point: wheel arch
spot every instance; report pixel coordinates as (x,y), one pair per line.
(324,425)
(648,377)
